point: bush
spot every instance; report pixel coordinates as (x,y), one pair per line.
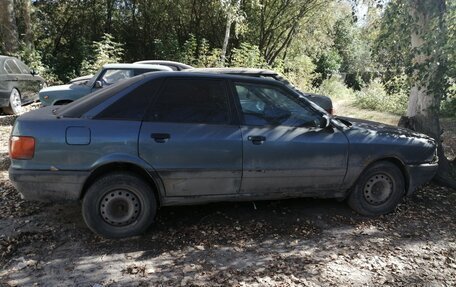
(334,87)
(448,105)
(301,72)
(375,97)
(33,59)
(105,51)
(247,55)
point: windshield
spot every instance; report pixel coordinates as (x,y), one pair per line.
(93,79)
(301,94)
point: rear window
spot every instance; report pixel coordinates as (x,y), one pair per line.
(11,67)
(133,105)
(81,106)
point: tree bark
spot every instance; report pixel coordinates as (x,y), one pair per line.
(8,27)
(229,22)
(27,11)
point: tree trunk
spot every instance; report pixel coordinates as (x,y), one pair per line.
(28,38)
(8,27)
(229,21)
(424,104)
(109,8)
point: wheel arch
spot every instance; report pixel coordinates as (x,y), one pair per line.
(119,166)
(391,159)
(17,89)
(8,109)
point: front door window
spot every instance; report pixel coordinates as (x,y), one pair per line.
(269,105)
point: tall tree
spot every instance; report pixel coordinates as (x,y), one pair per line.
(233,13)
(8,26)
(277,23)
(26,14)
(429,64)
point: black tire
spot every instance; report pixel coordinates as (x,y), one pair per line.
(15,103)
(378,190)
(119,205)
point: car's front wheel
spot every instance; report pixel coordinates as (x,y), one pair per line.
(15,103)
(378,190)
(119,205)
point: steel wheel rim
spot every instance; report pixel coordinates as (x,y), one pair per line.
(120,207)
(378,189)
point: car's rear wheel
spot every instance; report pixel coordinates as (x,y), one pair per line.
(15,103)
(119,205)
(378,190)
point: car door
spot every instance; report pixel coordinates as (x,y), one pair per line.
(284,148)
(192,140)
(33,82)
(19,80)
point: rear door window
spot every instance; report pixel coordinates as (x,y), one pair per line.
(11,67)
(23,67)
(202,101)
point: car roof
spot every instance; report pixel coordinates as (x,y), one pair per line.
(164,62)
(136,66)
(4,57)
(84,104)
(193,75)
(245,71)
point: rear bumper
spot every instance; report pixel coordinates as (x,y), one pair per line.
(419,175)
(48,185)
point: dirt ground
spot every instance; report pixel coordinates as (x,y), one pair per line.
(300,242)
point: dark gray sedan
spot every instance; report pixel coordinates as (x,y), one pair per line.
(18,85)
(164,139)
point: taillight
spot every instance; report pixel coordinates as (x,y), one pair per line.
(22,147)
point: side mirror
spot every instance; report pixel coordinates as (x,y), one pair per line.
(325,121)
(98,84)
(33,72)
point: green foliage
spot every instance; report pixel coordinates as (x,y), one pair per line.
(375,97)
(300,71)
(397,83)
(32,58)
(167,48)
(309,42)
(448,105)
(247,55)
(329,63)
(335,88)
(208,57)
(393,51)
(105,51)
(353,49)
(199,55)
(189,50)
